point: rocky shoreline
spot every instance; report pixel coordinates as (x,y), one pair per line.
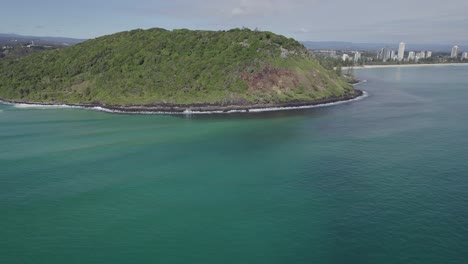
(196,108)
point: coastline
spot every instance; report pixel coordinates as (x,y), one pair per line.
(197,108)
(404,65)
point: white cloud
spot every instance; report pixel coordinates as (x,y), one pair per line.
(237,11)
(319,19)
(358,20)
(258,7)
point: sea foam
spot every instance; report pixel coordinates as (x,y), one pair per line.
(187,111)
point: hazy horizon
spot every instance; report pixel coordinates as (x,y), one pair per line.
(385,44)
(360,21)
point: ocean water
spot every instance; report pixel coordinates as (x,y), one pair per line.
(381,180)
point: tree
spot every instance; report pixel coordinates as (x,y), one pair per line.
(338,70)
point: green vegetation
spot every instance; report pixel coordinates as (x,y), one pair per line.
(157,66)
(19,51)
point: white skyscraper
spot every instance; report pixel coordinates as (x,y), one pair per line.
(345,57)
(411,55)
(421,55)
(401,51)
(357,56)
(428,54)
(454,53)
(381,54)
(388,54)
(464,56)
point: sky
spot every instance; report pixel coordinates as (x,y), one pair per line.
(376,21)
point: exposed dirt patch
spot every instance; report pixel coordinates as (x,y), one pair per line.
(272,79)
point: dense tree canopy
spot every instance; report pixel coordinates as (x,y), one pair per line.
(158,66)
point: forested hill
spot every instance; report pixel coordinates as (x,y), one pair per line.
(157,66)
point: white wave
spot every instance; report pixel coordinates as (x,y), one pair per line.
(364,95)
(187,111)
(253,110)
(39,106)
(361,82)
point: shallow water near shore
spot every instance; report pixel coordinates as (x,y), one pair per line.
(380,180)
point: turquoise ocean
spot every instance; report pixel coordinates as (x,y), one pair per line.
(380,180)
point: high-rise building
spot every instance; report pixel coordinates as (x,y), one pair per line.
(381,54)
(384,54)
(357,56)
(464,56)
(428,54)
(345,57)
(388,55)
(454,53)
(421,55)
(401,51)
(392,55)
(411,55)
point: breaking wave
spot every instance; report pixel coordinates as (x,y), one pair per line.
(186,112)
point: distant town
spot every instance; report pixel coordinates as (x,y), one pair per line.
(387,55)
(15,46)
(18,49)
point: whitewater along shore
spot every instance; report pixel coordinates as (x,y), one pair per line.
(196,108)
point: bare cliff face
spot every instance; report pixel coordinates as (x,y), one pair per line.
(272,79)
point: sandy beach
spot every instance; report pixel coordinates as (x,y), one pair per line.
(405,65)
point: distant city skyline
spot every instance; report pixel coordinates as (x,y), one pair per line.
(387,54)
(306,20)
